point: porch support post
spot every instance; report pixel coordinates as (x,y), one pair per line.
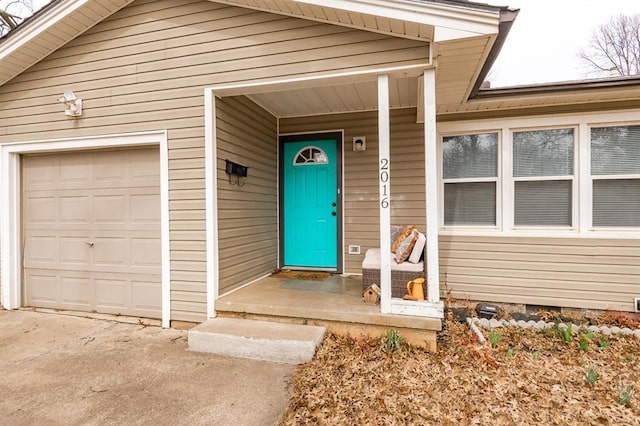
(211,200)
(431,185)
(384,181)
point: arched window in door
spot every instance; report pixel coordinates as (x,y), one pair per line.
(310,155)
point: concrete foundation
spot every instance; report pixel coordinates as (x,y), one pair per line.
(263,340)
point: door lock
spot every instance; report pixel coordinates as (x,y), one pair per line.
(333,213)
(333,204)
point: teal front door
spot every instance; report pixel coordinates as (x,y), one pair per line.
(310,204)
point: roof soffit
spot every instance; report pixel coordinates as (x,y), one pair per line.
(400,18)
(48,30)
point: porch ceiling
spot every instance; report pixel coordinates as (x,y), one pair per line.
(349,97)
(458,64)
(461,33)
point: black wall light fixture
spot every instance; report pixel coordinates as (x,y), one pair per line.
(237,170)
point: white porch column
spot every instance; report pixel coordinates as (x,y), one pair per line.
(385,193)
(211,199)
(431,185)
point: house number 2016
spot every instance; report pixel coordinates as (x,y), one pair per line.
(384,180)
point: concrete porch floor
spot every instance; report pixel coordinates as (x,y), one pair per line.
(335,303)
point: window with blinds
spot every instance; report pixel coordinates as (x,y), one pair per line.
(615,175)
(543,174)
(470,176)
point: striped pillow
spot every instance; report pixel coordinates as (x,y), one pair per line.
(401,237)
(405,247)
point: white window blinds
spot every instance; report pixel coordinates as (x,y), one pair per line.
(470,173)
(543,164)
(615,172)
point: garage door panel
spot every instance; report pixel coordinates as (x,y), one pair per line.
(110,251)
(74,170)
(42,250)
(112,169)
(142,252)
(92,231)
(75,210)
(42,173)
(41,210)
(111,293)
(75,292)
(146,167)
(74,252)
(44,290)
(145,208)
(110,208)
(145,295)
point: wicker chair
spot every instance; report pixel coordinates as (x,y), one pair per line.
(400,274)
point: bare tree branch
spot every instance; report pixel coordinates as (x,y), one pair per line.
(614,47)
(13,12)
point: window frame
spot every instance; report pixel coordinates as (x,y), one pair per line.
(582,202)
(497,179)
(574,178)
(591,177)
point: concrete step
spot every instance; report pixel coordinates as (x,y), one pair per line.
(264,340)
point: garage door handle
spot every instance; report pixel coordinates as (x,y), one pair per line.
(89,243)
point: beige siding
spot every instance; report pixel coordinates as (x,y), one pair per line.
(145,67)
(361,213)
(580,273)
(247,215)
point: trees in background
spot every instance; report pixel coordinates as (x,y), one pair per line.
(13,12)
(614,47)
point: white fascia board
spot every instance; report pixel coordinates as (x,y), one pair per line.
(447,34)
(267,86)
(40,24)
(474,21)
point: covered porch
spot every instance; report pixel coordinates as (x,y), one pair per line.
(389,98)
(366,195)
(335,303)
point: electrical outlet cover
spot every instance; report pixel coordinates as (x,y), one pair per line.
(637,304)
(354,249)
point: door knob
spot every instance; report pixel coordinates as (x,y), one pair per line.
(89,243)
(333,213)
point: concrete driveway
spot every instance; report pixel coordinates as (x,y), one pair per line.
(57,369)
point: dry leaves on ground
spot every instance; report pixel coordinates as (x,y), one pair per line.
(530,377)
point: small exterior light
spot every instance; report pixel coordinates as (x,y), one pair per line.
(359,143)
(72,103)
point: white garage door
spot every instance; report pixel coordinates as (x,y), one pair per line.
(92,231)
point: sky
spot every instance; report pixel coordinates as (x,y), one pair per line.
(546,37)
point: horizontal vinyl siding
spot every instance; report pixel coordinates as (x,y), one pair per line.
(145,67)
(247,215)
(578,273)
(361,212)
(581,273)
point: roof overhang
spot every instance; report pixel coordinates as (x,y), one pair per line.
(611,93)
(430,21)
(49,29)
(462,34)
(419,20)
